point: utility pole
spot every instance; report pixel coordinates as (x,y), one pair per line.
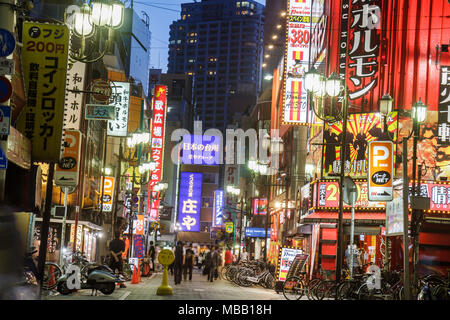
(406,275)
(7,22)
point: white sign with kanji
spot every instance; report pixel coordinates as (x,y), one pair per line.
(74,99)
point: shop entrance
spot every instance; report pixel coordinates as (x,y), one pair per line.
(369,242)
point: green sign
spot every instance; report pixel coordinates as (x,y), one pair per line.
(100,112)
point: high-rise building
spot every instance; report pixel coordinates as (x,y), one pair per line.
(219,43)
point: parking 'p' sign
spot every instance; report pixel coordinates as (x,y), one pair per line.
(381,172)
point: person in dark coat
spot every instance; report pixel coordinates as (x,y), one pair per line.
(178,262)
(151,254)
(360,145)
(214,264)
(331,140)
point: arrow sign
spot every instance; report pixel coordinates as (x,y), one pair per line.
(3,160)
(7,43)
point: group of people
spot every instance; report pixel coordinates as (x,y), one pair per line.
(210,261)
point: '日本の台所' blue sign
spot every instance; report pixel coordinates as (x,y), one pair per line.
(190,201)
(202,150)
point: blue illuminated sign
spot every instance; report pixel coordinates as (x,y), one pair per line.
(202,150)
(190,201)
(218,208)
(257,232)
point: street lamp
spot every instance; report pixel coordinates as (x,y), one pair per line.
(333,88)
(103,14)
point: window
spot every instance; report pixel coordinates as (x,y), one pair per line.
(207,202)
(209,177)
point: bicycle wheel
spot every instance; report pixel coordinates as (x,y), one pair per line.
(364,293)
(269,281)
(242,278)
(310,289)
(344,291)
(52,272)
(293,288)
(223,272)
(321,289)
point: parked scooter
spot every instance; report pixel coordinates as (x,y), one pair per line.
(98,278)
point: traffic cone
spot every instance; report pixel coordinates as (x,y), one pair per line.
(139,271)
(134,279)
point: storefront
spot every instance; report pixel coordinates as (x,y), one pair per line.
(369,219)
(86,240)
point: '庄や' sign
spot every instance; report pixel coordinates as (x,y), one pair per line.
(190,201)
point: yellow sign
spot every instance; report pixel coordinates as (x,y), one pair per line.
(44,62)
(166,257)
(229,227)
(66,173)
(108,193)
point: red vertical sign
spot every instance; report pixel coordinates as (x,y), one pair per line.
(157,148)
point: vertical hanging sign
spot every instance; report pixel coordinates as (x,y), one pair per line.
(108,193)
(381,171)
(157,148)
(44,62)
(119,126)
(74,99)
(295,109)
(68,168)
(363,51)
(444,107)
(190,201)
(218,208)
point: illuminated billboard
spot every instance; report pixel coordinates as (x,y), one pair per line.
(190,201)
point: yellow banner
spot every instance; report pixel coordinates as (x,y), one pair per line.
(44,63)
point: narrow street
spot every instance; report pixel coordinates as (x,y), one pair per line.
(197,289)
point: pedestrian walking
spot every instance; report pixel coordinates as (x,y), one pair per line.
(213,265)
(178,262)
(220,265)
(151,254)
(116,249)
(244,255)
(207,261)
(189,259)
(228,256)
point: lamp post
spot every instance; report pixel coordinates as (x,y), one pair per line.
(318,85)
(419,111)
(89,20)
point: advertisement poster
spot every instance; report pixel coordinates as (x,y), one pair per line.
(190,201)
(296,63)
(138,247)
(328,193)
(287,256)
(44,63)
(362,128)
(394,217)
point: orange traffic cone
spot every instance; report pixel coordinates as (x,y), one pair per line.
(139,271)
(134,279)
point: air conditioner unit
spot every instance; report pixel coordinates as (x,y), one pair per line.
(58,211)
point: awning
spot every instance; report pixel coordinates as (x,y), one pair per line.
(88,224)
(195,237)
(360,217)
